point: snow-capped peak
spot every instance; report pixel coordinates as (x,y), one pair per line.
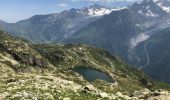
(96,10)
(164,4)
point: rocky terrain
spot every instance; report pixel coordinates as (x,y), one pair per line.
(41,71)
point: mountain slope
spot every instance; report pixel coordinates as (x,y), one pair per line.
(52,76)
(110,32)
(123,33)
(158,53)
(148,8)
(20,56)
(115,31)
(55,27)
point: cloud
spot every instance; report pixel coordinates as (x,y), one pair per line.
(63,5)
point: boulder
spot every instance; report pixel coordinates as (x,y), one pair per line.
(103,95)
(160,97)
(124,97)
(141,94)
(161,92)
(89,88)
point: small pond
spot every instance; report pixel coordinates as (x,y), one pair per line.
(91,74)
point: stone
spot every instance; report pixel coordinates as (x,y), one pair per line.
(160,92)
(141,94)
(156,93)
(113,97)
(25,94)
(160,97)
(125,97)
(119,94)
(22,81)
(11,80)
(103,95)
(89,88)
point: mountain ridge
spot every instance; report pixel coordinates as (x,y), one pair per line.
(55,27)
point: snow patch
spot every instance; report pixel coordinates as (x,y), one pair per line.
(165,8)
(99,12)
(148,13)
(102,11)
(138,39)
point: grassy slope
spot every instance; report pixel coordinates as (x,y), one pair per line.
(71,56)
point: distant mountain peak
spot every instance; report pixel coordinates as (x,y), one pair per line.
(148,8)
(164,4)
(99,10)
(94,10)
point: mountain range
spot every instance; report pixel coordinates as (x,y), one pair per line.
(55,27)
(137,33)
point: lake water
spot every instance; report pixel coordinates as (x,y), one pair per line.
(92,74)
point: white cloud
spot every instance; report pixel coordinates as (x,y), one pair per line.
(63,5)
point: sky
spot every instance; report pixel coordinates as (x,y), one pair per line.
(15,10)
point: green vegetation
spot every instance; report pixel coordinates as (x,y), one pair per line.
(42,71)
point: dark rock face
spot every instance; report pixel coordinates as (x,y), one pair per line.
(30,60)
(148,10)
(22,53)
